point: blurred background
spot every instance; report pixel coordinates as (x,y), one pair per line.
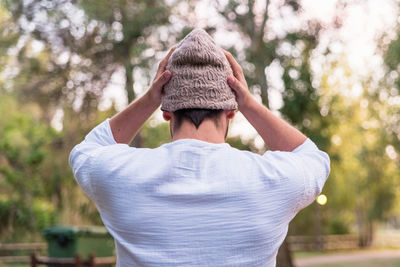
(329,67)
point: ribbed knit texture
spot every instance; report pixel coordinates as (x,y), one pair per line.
(199,76)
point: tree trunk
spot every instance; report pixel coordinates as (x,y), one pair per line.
(137,141)
(129,82)
(284,258)
(318,244)
(257,54)
(365,228)
(366,235)
(262,79)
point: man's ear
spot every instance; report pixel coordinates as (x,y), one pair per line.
(230,114)
(167,115)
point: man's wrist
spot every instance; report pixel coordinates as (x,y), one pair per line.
(151,100)
(250,103)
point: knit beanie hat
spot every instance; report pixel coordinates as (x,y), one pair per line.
(199,76)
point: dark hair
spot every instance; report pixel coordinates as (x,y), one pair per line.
(196,116)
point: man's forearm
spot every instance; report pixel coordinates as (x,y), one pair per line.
(276,133)
(126,123)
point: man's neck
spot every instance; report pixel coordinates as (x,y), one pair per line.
(207,132)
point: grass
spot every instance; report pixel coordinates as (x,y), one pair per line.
(306,254)
(362,262)
(368,263)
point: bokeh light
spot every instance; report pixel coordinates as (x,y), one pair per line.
(322,199)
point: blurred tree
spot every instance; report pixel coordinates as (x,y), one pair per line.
(245,17)
(9,37)
(83,45)
(25,148)
(58,57)
(390,89)
(302,107)
(132,25)
(363,186)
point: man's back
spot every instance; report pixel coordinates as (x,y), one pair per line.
(197,201)
(194,203)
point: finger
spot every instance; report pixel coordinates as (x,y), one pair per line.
(162,79)
(164,62)
(234,83)
(237,70)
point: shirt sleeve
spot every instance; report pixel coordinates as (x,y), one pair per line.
(81,155)
(307,169)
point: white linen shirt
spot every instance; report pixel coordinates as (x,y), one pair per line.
(194,203)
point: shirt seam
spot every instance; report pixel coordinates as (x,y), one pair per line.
(90,177)
(109,131)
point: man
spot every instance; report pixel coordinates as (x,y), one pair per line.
(197,201)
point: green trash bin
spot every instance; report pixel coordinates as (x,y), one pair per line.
(66,242)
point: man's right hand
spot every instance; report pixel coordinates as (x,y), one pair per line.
(238,82)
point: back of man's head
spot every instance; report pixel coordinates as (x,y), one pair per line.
(198,89)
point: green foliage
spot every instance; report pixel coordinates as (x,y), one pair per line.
(363,186)
(44,214)
(301,99)
(24,143)
(156,135)
(338,226)
(237,142)
(392,56)
(130,24)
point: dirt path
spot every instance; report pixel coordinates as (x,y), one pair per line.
(348,257)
